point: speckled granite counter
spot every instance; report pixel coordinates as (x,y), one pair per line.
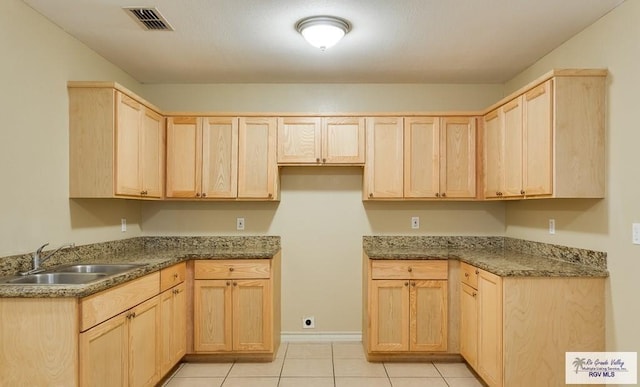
(154,253)
(506,257)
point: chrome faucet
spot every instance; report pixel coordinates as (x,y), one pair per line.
(38,259)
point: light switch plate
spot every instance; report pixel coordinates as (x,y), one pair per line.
(552,226)
(415,222)
(239,223)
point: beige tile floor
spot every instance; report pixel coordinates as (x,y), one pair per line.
(338,364)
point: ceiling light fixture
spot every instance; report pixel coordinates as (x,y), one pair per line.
(323,31)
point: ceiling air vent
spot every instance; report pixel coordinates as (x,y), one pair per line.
(149,18)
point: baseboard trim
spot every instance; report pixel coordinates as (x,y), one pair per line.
(320,336)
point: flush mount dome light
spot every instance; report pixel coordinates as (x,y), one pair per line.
(323,31)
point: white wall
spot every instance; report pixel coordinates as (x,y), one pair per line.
(614,43)
(38,58)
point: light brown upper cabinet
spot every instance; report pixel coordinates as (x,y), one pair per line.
(257,166)
(116,144)
(202,157)
(548,141)
(383,172)
(321,141)
(440,157)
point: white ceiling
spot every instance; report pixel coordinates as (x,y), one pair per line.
(391,41)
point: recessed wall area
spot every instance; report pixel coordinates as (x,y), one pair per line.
(321,219)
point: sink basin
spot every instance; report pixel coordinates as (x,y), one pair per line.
(101,268)
(58,278)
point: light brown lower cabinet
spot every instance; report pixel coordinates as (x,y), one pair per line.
(124,350)
(173,306)
(236,307)
(514,331)
(406,306)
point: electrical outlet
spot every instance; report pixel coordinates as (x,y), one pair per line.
(308,322)
(123,224)
(552,226)
(239,223)
(415,222)
(635,233)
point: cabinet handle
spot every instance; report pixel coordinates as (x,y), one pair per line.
(410,270)
(521,192)
(474,294)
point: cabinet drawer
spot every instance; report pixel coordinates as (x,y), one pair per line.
(409,269)
(469,275)
(232,268)
(99,307)
(173,275)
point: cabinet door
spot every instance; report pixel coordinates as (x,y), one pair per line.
(389,315)
(493,155)
(512,119)
(103,354)
(299,140)
(421,157)
(252,318)
(128,172)
(469,325)
(428,316)
(343,140)
(257,167)
(152,154)
(184,157)
(490,328)
(384,167)
(538,140)
(144,343)
(212,320)
(173,327)
(458,157)
(219,157)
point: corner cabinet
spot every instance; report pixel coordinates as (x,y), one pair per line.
(321,140)
(237,307)
(405,306)
(505,340)
(549,140)
(116,144)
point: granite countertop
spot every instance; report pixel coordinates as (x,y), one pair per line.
(502,259)
(153,257)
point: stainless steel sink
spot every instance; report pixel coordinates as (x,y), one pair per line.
(58,278)
(101,268)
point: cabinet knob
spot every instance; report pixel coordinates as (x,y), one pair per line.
(406,284)
(444,194)
(371,194)
(477,272)
(270,196)
(466,275)
(197,194)
(521,192)
(235,283)
(143,192)
(204,194)
(324,160)
(413,284)
(318,160)
(410,270)
(437,194)
(231,269)
(228,283)
(474,294)
(175,275)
